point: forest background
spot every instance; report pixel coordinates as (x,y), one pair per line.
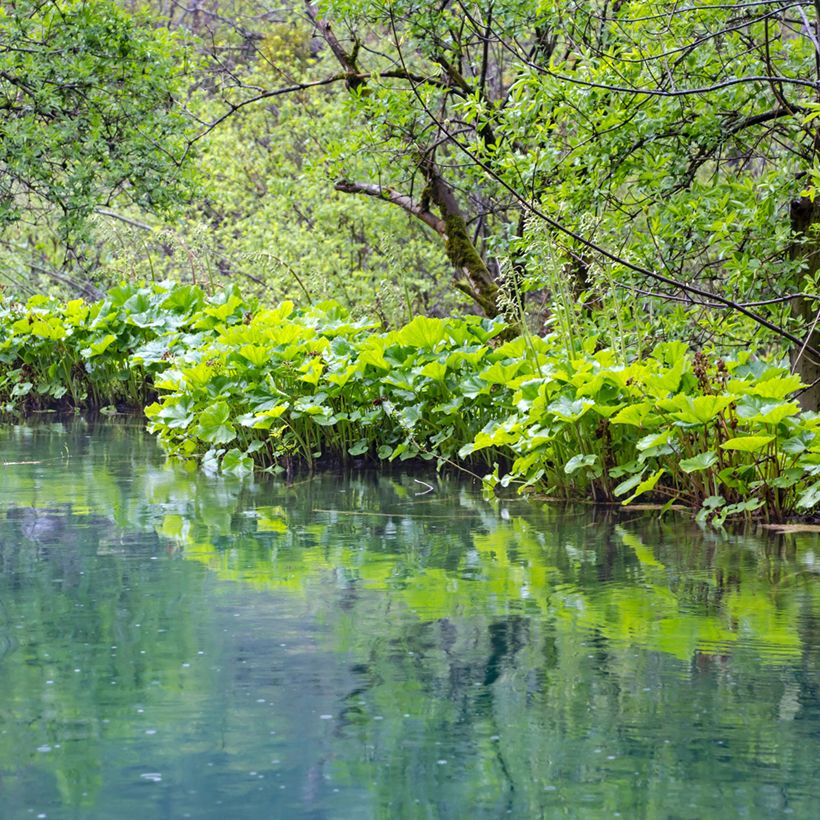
(630,170)
(609,175)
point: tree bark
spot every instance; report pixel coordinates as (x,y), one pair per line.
(390,195)
(805,223)
(472,276)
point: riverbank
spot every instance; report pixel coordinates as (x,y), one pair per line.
(237,387)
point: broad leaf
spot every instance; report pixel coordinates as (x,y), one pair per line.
(645,486)
(702,461)
(747,444)
(213,424)
(580,461)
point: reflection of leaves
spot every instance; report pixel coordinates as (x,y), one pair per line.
(475,623)
(642,553)
(505,566)
(434,574)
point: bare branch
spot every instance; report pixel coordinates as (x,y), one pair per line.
(346,60)
(134,223)
(276,92)
(396,198)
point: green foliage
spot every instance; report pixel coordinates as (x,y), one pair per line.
(242,386)
(78,355)
(650,130)
(266,212)
(691,170)
(87,96)
(315,382)
(270,213)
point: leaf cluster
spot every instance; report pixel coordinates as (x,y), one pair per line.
(244,387)
(87,95)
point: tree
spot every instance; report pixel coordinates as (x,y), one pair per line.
(89,116)
(663,158)
(408,99)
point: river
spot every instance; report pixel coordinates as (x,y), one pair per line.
(174,644)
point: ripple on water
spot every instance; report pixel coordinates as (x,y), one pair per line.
(551,662)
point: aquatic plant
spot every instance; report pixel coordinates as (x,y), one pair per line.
(240,388)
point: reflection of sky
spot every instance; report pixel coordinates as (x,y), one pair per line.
(346,647)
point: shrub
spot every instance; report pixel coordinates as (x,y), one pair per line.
(242,388)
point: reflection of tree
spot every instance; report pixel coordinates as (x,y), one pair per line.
(492,619)
(682,596)
(526,647)
(537,616)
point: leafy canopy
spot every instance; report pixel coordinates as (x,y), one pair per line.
(87,95)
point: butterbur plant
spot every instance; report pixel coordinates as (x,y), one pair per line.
(240,388)
(723,437)
(315,383)
(75,355)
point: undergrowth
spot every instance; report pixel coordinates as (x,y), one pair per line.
(240,388)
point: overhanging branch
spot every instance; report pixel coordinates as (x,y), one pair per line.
(654,275)
(390,195)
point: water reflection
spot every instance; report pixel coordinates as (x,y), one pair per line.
(173,643)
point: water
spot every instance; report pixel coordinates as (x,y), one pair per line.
(174,645)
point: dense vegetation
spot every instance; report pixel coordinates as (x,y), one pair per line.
(579,241)
(239,385)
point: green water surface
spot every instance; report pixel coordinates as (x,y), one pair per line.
(174,645)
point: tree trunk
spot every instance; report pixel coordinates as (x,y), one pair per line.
(471,274)
(805,223)
(473,277)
